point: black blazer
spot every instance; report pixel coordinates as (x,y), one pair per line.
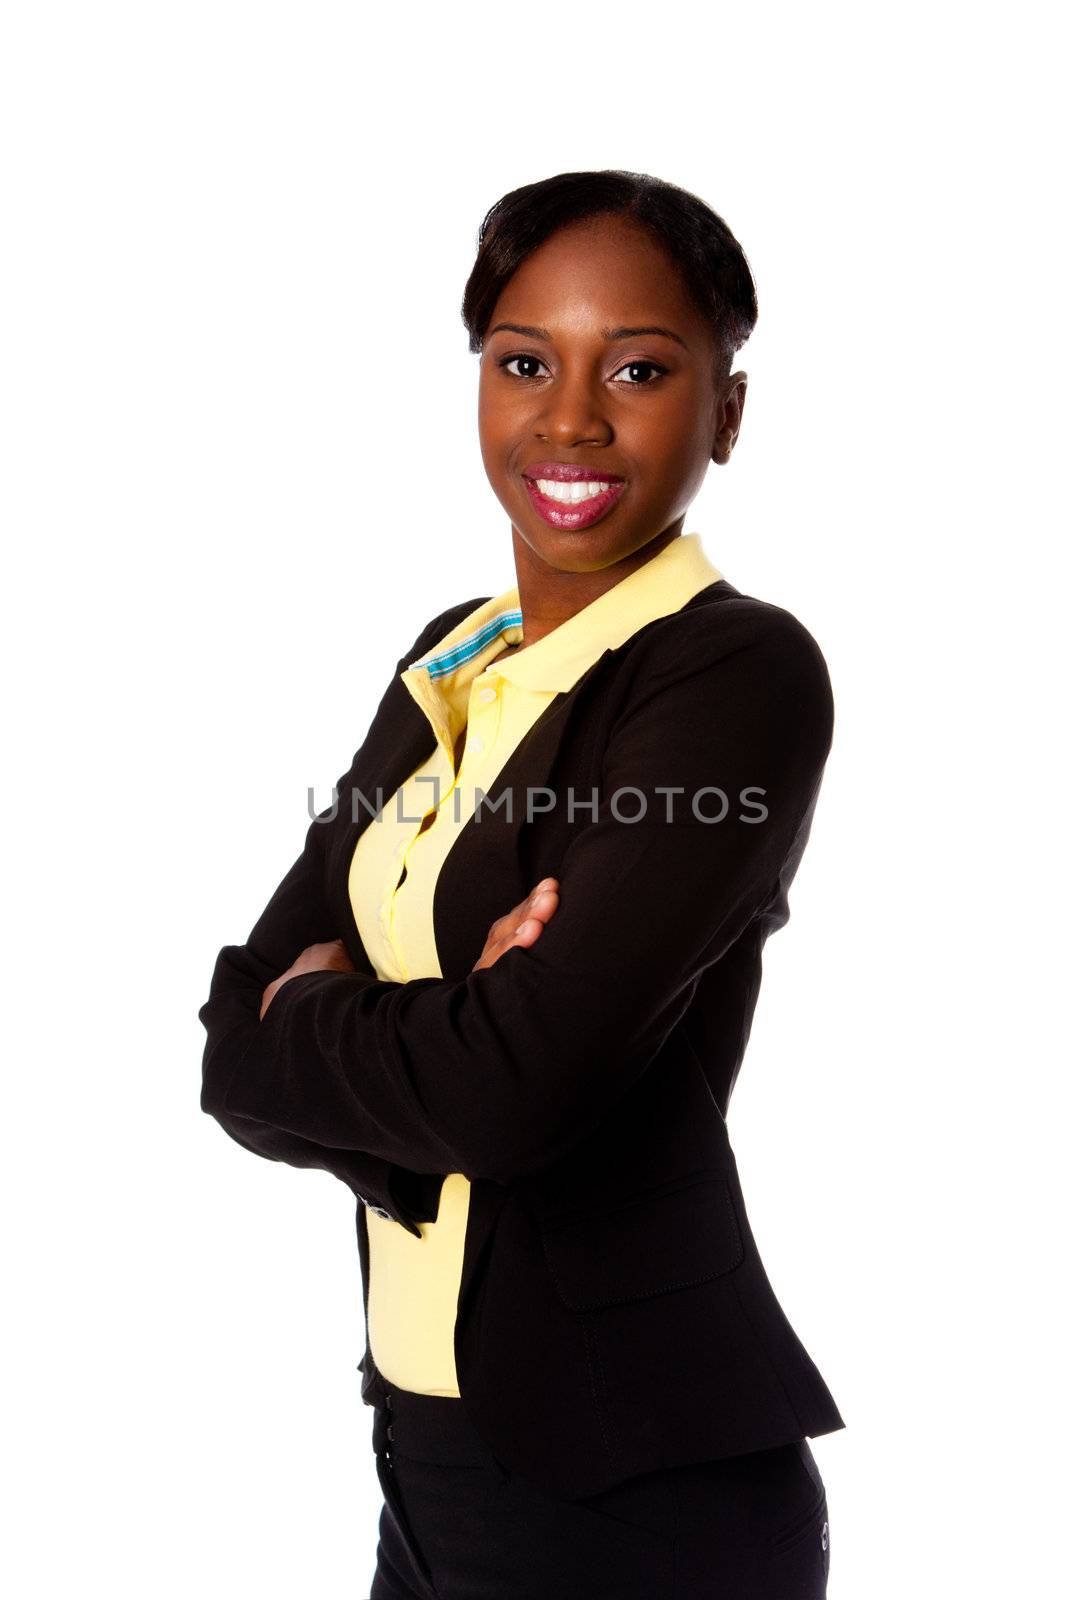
(614,1315)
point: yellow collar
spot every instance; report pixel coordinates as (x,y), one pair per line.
(556,662)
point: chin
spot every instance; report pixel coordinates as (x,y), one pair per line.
(584,551)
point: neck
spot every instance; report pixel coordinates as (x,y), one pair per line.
(551,595)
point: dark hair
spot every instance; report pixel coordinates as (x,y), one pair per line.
(708,257)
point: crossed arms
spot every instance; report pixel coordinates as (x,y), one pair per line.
(501,1073)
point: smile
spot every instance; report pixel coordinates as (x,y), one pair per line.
(572,505)
(570,493)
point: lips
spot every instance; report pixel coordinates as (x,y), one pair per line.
(567,472)
(580,514)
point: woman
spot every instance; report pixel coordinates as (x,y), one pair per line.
(509,1015)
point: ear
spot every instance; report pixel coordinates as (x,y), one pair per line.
(731,405)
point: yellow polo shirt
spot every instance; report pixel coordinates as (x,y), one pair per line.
(413,1287)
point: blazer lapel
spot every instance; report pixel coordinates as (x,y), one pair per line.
(490,866)
(486,871)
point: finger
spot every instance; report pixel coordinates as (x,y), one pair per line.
(536,909)
(540,902)
(525,935)
(529,929)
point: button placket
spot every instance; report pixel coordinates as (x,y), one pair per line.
(487,723)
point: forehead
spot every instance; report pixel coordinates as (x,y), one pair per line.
(606,269)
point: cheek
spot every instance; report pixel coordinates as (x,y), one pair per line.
(692,469)
(501,427)
(683,448)
(493,421)
(669,458)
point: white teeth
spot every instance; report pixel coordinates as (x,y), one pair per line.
(568,493)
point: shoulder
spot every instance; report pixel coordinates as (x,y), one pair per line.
(727,665)
(720,625)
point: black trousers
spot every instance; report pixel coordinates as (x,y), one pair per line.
(455,1524)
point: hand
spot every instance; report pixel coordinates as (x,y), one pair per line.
(329,957)
(522,925)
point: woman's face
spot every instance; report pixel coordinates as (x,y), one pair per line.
(563,386)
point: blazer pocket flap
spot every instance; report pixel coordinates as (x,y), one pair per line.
(669,1238)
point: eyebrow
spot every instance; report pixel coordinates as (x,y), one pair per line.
(606,333)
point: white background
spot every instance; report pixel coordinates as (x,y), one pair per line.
(238,410)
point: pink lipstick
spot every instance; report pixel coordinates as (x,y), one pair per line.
(569,514)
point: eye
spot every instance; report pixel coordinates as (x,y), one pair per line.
(632,366)
(508,362)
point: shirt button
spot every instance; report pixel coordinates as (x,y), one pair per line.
(486,695)
(475,745)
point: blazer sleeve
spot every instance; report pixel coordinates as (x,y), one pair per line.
(297,915)
(501,1073)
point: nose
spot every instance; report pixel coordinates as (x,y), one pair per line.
(573,413)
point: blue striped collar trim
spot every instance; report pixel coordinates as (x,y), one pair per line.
(465,649)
